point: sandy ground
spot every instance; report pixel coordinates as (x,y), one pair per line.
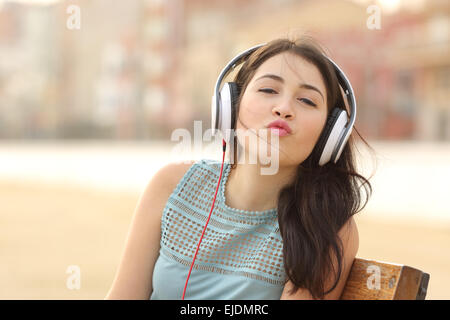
(45,229)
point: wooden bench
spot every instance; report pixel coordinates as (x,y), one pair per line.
(375,280)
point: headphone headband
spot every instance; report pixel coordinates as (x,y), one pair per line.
(226,70)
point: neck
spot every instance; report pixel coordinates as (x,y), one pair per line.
(248,189)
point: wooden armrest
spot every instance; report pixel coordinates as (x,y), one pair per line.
(375,280)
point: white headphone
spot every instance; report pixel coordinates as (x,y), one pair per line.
(336,131)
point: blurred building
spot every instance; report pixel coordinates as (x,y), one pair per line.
(28,71)
(419,47)
(140,69)
(399,73)
(110,78)
(101,71)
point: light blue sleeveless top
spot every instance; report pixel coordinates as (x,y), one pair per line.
(240,256)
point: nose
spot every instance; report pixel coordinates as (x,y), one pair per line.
(283,110)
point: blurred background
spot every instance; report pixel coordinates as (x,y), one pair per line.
(91,92)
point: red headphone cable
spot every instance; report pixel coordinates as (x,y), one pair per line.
(224,145)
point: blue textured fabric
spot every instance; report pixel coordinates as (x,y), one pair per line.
(240,256)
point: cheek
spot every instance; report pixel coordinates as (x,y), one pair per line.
(253,113)
(252,109)
(310,129)
(316,127)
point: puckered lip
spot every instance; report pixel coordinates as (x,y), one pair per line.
(280,124)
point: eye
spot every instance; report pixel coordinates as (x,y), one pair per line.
(267,90)
(307,101)
(271,91)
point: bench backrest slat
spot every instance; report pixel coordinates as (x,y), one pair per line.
(376,280)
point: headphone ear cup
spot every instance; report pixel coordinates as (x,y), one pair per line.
(234,94)
(331,135)
(226,113)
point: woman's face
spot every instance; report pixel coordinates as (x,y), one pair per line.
(289,88)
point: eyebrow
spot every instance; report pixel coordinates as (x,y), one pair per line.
(301,85)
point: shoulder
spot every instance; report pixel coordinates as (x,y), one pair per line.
(176,170)
(170,174)
(161,185)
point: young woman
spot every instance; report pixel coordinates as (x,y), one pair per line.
(289,235)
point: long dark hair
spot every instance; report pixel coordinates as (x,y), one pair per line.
(321,199)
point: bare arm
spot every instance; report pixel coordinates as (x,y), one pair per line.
(133,279)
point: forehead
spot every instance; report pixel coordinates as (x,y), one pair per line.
(293,68)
